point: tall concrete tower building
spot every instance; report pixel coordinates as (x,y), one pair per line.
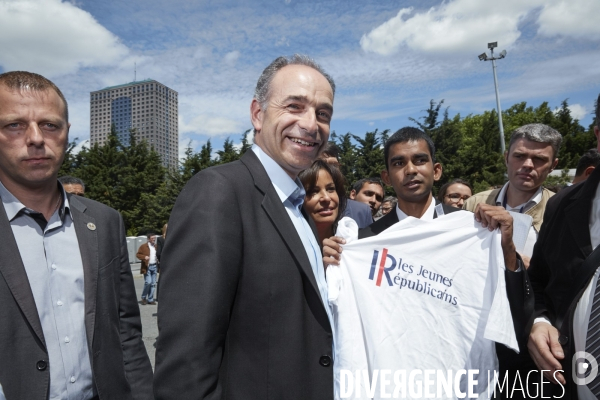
(147,106)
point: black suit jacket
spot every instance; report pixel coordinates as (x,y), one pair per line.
(240,315)
(120,364)
(555,271)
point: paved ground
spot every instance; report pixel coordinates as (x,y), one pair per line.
(148,313)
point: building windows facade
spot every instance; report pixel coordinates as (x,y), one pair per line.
(148,107)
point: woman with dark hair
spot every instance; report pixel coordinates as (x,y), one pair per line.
(325,199)
(455,193)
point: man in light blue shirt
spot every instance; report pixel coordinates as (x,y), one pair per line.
(69,321)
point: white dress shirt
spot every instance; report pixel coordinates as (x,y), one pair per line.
(521,208)
(428,216)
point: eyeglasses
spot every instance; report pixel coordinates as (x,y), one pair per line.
(455,197)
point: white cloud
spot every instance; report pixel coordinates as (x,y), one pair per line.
(578,111)
(232,57)
(211,125)
(464,25)
(218,114)
(454,26)
(577,18)
(80,146)
(53,38)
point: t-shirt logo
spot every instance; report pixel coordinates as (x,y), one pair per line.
(382,269)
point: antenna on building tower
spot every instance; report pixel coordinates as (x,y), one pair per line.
(134,71)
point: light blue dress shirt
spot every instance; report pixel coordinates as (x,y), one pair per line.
(291,193)
(54,268)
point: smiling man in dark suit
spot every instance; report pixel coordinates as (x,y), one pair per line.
(242,312)
(69,321)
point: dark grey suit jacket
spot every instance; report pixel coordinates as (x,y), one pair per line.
(240,315)
(120,364)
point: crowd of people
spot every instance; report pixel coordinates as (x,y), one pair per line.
(244,310)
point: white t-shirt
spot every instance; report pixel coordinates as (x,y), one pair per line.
(438,302)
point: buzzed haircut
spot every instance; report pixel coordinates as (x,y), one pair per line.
(71,180)
(23,81)
(263,86)
(408,134)
(358,185)
(330,149)
(590,158)
(538,133)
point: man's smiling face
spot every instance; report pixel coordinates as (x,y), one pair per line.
(294,125)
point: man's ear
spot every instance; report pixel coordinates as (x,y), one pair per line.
(588,171)
(385,177)
(352,194)
(437,171)
(256,115)
(506,158)
(554,164)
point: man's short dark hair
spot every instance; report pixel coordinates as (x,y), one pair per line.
(590,158)
(71,180)
(538,133)
(408,134)
(331,150)
(358,185)
(29,81)
(263,86)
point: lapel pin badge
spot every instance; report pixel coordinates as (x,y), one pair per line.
(91,226)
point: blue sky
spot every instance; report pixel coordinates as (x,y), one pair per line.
(388,58)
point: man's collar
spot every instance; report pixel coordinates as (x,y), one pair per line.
(284,185)
(535,199)
(428,216)
(13,206)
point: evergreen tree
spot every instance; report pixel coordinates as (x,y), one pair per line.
(69,162)
(347,157)
(228,154)
(369,155)
(245,143)
(430,120)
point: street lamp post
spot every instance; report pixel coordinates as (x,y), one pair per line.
(484,57)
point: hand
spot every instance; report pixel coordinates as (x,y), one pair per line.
(146,258)
(493,217)
(332,250)
(546,351)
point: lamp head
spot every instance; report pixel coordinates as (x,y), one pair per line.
(492,45)
(503,54)
(483,57)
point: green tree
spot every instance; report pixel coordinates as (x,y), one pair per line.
(347,156)
(369,155)
(229,153)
